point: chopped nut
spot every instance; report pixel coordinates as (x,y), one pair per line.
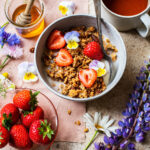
(113,56)
(32,50)
(78,123)
(69,112)
(86,130)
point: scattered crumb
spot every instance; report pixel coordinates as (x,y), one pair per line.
(53,84)
(114,56)
(78,123)
(69,112)
(32,50)
(86,130)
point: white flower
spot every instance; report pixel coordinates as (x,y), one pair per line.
(101,124)
(5,85)
(27,72)
(67,7)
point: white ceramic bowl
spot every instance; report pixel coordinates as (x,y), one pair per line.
(73,21)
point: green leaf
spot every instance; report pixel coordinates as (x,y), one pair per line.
(7,122)
(33,102)
(25,113)
(1,138)
(45,130)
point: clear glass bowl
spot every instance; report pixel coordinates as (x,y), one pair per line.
(50,114)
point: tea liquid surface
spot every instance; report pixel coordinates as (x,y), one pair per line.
(126,7)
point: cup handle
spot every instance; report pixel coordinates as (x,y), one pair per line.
(144,30)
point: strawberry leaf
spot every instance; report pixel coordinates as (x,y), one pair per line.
(45,130)
(7,121)
(33,102)
(25,113)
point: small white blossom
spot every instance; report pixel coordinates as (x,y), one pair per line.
(99,123)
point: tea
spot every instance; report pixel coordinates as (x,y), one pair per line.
(126,7)
(35,14)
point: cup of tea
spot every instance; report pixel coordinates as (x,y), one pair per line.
(128,14)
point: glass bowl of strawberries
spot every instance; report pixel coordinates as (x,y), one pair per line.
(28,120)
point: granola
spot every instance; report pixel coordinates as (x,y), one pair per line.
(69,75)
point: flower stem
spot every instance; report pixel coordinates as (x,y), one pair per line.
(5,24)
(4,62)
(91,141)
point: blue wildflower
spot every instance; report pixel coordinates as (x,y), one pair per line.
(139,137)
(3,36)
(13,39)
(131,146)
(99,146)
(123,144)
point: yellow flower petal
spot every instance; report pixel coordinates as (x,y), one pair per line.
(72,45)
(30,77)
(63,9)
(101,72)
(6,75)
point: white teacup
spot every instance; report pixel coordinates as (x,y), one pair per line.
(140,22)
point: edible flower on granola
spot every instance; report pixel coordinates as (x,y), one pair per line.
(72,39)
(27,72)
(67,7)
(99,67)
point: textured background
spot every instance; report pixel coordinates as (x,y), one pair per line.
(138,50)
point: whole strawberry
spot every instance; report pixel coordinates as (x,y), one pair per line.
(28,117)
(19,137)
(40,132)
(11,109)
(4,136)
(25,100)
(93,50)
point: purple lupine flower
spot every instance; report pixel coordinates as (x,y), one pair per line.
(99,146)
(119,132)
(139,100)
(146,107)
(144,98)
(131,146)
(106,140)
(138,127)
(139,137)
(123,144)
(13,39)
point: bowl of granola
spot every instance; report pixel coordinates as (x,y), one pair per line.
(70,61)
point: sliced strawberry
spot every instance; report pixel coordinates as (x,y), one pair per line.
(56,40)
(64,58)
(88,77)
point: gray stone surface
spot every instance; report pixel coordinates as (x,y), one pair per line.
(138,50)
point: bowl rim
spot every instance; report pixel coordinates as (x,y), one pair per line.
(111,86)
(57,118)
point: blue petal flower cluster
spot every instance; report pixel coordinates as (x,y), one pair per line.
(136,121)
(11,39)
(3,36)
